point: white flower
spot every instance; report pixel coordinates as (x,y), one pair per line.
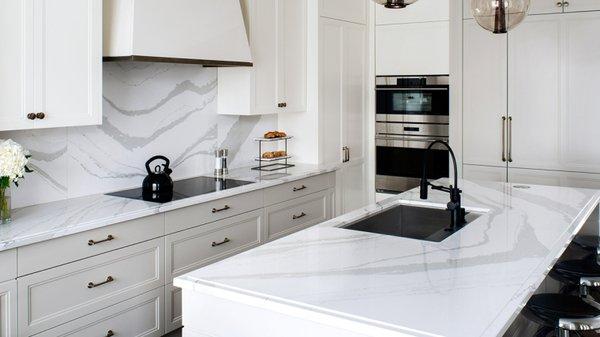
(13,159)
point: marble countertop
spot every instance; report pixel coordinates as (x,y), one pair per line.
(472,284)
(52,220)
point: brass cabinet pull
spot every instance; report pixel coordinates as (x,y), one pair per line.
(510,159)
(31,116)
(282,105)
(217,210)
(110,333)
(296,217)
(215,244)
(296,189)
(504,138)
(40,115)
(94,285)
(108,238)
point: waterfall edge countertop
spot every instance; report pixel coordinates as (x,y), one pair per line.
(52,220)
(472,284)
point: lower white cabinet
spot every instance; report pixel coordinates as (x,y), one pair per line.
(59,295)
(485,173)
(8,309)
(296,214)
(173,305)
(139,316)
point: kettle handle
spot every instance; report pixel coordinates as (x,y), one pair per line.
(166,160)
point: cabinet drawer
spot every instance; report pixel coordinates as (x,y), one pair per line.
(193,216)
(299,188)
(52,297)
(74,247)
(293,215)
(193,248)
(8,261)
(139,316)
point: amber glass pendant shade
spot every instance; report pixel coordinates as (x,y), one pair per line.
(395,4)
(499,16)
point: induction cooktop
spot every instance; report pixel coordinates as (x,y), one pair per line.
(186,188)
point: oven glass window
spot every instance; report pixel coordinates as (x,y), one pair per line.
(412,102)
(408,162)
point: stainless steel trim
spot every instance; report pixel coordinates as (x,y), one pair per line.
(380,118)
(510,158)
(429,80)
(399,118)
(411,142)
(412,89)
(504,138)
(436,130)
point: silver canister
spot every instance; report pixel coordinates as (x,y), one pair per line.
(221,162)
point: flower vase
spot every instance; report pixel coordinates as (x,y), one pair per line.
(5,205)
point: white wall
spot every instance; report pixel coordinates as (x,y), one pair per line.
(149,109)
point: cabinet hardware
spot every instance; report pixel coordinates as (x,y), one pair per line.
(566,4)
(282,105)
(296,189)
(296,217)
(559,4)
(110,333)
(31,116)
(504,138)
(108,238)
(215,244)
(40,115)
(94,285)
(346,154)
(217,210)
(510,159)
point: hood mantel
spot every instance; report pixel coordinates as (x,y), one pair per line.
(204,32)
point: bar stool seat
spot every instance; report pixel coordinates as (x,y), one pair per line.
(571,271)
(567,312)
(587,242)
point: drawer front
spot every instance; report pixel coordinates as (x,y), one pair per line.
(173,312)
(53,297)
(293,215)
(197,215)
(8,261)
(299,188)
(75,247)
(196,247)
(139,316)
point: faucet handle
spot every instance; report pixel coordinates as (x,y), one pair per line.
(424,189)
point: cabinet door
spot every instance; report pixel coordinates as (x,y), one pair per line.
(8,309)
(420,11)
(484,95)
(347,10)
(485,173)
(554,178)
(292,54)
(68,85)
(534,94)
(545,7)
(580,120)
(581,5)
(16,99)
(351,188)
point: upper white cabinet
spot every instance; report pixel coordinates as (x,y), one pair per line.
(414,40)
(277,82)
(549,6)
(51,63)
(345,10)
(581,5)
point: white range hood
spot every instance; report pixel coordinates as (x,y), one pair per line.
(207,32)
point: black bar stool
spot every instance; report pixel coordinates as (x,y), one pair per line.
(571,272)
(589,243)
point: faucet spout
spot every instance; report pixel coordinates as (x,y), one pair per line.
(457,212)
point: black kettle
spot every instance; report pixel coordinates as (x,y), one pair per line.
(158,185)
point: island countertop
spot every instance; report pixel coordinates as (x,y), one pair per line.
(474,283)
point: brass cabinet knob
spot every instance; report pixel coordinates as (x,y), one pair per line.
(31,116)
(40,115)
(566,4)
(282,105)
(559,4)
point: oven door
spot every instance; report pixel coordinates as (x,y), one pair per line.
(417,105)
(399,162)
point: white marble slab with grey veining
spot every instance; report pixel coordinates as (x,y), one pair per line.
(474,283)
(60,218)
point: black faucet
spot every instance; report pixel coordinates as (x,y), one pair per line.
(457,212)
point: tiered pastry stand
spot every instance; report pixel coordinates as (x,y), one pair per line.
(272,164)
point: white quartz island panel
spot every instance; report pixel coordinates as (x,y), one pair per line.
(472,284)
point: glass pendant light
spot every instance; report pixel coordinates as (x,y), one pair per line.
(499,16)
(395,4)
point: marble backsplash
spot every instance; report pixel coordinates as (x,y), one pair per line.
(149,109)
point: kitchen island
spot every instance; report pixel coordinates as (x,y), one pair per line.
(331,281)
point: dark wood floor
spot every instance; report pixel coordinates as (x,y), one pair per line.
(176,333)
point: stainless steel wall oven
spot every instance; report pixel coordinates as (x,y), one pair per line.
(411,113)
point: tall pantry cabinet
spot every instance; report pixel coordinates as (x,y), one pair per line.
(529,108)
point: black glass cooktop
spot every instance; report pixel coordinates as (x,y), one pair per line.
(186,188)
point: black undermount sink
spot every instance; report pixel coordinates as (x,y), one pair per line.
(420,223)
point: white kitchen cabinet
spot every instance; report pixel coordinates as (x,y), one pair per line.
(581,5)
(342,105)
(345,10)
(545,7)
(52,66)
(420,11)
(484,95)
(277,82)
(485,173)
(554,178)
(8,261)
(8,309)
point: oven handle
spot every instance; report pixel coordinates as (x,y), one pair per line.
(412,139)
(412,89)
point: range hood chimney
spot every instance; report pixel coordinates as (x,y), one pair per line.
(206,32)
